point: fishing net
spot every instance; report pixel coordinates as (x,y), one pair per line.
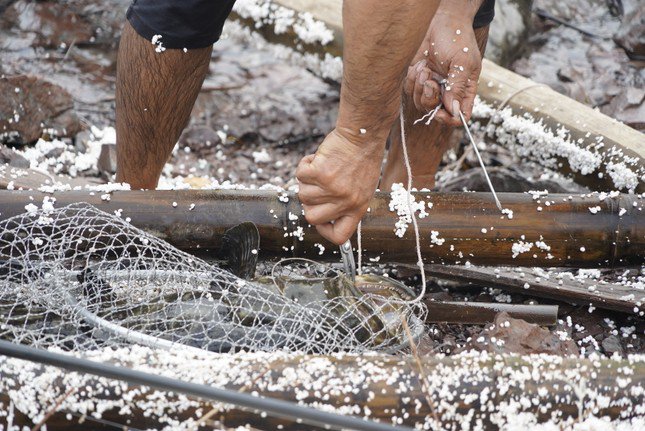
(80,279)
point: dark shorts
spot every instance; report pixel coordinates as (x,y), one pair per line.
(198,23)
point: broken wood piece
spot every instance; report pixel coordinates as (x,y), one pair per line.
(602,295)
(467,390)
(479,313)
(459,227)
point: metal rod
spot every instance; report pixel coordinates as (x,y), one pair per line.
(479,313)
(274,407)
(348,259)
(481,162)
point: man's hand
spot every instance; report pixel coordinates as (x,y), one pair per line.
(337,183)
(449,53)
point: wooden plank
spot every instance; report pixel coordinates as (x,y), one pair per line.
(578,292)
(460,227)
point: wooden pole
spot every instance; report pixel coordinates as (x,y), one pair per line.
(460,227)
(462,389)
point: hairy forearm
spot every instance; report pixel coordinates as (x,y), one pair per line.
(381,37)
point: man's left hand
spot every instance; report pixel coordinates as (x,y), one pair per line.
(452,55)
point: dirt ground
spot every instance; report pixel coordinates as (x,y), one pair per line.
(257,116)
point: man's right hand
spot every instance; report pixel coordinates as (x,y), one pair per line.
(338,182)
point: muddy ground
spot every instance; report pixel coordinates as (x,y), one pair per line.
(257,116)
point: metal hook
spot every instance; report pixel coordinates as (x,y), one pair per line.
(348,259)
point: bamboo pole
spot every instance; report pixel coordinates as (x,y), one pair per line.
(464,390)
(469,224)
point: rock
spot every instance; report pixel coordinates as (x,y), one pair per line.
(81,141)
(508,31)
(55,23)
(508,335)
(4,4)
(503,179)
(106,163)
(201,140)
(29,105)
(12,158)
(631,34)
(612,345)
(629,108)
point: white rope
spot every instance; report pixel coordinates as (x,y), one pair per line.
(417,238)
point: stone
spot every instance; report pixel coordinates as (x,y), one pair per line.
(12,158)
(106,163)
(55,24)
(631,34)
(509,335)
(201,140)
(612,345)
(82,140)
(629,108)
(30,105)
(508,31)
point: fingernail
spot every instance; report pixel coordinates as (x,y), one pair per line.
(428,91)
(420,65)
(423,76)
(455,108)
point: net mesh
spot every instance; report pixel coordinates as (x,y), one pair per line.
(80,279)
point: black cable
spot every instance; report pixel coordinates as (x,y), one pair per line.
(275,407)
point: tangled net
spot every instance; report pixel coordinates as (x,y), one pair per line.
(81,279)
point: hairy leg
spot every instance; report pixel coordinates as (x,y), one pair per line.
(155,93)
(426,144)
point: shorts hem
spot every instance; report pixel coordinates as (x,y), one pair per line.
(168,41)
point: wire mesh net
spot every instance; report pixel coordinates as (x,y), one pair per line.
(81,279)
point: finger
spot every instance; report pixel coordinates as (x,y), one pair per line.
(431,94)
(340,231)
(411,78)
(305,172)
(418,87)
(312,195)
(322,213)
(469,99)
(444,117)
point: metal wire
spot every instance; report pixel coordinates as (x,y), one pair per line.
(481,162)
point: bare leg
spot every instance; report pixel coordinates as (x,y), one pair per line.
(426,144)
(155,93)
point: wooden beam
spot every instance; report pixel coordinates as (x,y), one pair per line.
(460,227)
